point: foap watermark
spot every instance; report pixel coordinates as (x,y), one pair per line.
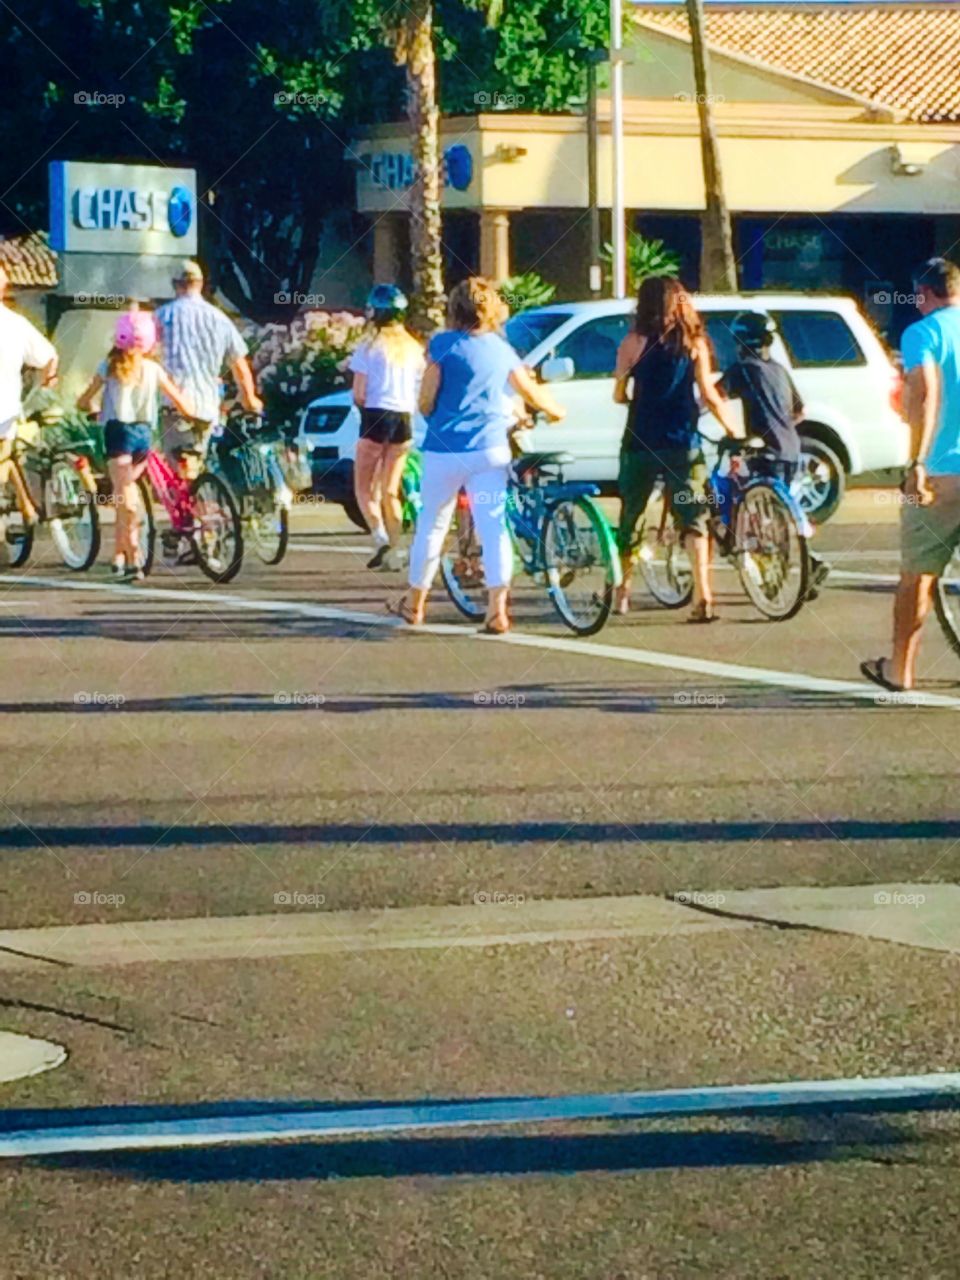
(695,898)
(287,298)
(698,698)
(94,698)
(498,101)
(299,698)
(896,498)
(308,500)
(896,698)
(94,98)
(94,898)
(701,99)
(294,898)
(101,299)
(498,698)
(886,898)
(287,99)
(893,298)
(495,898)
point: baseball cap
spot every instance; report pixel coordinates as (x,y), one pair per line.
(189,270)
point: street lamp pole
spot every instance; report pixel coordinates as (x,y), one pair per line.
(618,211)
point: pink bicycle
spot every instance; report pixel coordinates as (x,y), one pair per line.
(204,527)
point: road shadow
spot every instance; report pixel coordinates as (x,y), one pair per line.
(633,699)
(193,622)
(769,1143)
(159,836)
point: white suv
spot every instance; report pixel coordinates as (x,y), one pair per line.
(848,382)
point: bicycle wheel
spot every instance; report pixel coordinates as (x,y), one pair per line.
(661,555)
(73,516)
(217,536)
(580,558)
(946,601)
(461,565)
(771,553)
(16,536)
(269,529)
(146,525)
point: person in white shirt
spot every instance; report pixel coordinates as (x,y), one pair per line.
(387,367)
(21,347)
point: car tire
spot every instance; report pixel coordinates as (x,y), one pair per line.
(352,508)
(822,480)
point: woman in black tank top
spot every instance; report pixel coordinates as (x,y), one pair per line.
(660,366)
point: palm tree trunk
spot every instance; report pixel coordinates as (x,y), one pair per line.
(427,312)
(718,268)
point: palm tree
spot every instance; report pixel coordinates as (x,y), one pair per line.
(718,268)
(409,24)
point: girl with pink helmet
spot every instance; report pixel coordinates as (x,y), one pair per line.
(131,383)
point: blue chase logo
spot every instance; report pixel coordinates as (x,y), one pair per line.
(180,211)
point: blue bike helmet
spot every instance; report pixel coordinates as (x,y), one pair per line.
(385,302)
(753,330)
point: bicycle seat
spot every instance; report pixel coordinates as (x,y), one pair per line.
(529,462)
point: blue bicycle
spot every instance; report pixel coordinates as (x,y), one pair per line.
(755,522)
(559,536)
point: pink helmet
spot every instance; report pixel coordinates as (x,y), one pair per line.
(136,330)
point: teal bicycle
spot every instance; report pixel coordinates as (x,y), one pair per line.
(560,537)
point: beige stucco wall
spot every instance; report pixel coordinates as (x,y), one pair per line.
(661,67)
(815,160)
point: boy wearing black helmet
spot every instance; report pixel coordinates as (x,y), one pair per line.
(772,405)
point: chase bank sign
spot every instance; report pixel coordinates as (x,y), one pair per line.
(122,209)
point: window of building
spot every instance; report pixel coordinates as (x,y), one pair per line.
(818,339)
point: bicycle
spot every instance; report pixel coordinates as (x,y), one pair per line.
(559,535)
(201,512)
(755,521)
(245,457)
(62,495)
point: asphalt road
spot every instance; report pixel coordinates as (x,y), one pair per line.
(192,751)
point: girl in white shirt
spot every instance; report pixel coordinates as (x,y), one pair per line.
(387,367)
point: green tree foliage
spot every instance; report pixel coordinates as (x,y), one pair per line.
(198,83)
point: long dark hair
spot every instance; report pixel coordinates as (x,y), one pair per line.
(666,315)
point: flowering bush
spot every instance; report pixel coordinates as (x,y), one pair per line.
(295,363)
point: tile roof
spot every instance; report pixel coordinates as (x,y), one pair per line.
(904,56)
(29,261)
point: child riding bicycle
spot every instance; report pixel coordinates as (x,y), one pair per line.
(131,384)
(772,406)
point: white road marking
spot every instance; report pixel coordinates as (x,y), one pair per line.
(336,551)
(582,648)
(879,1094)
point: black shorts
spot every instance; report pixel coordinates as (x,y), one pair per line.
(385,426)
(121,438)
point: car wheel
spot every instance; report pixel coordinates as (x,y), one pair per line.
(821,480)
(352,508)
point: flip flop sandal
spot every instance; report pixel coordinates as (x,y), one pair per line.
(702,613)
(872,670)
(401,609)
(496,627)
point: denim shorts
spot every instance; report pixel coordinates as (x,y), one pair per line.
(121,438)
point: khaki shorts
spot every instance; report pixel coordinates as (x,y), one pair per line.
(177,433)
(685,473)
(930,535)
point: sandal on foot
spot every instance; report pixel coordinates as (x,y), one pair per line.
(702,612)
(873,670)
(401,609)
(496,626)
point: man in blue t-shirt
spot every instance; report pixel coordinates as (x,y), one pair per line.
(930,517)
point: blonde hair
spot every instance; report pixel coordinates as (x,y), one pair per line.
(124,365)
(395,340)
(475,303)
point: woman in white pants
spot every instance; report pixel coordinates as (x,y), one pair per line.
(471,371)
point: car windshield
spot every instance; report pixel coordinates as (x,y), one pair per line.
(526,331)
